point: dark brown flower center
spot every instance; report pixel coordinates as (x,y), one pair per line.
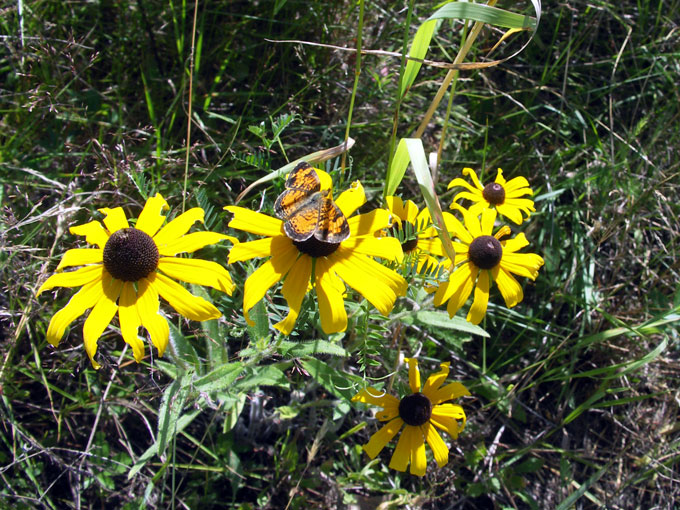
(485,252)
(315,248)
(130,255)
(406,232)
(494,193)
(415,409)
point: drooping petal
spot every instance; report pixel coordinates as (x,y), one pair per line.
(481,300)
(410,448)
(76,278)
(101,315)
(83,300)
(255,222)
(448,417)
(378,284)
(382,437)
(449,392)
(114,219)
(178,227)
(512,213)
(151,219)
(351,199)
(148,305)
(463,293)
(405,211)
(524,204)
(129,320)
(475,196)
(523,264)
(369,223)
(488,220)
(284,254)
(198,271)
(81,257)
(434,381)
(455,283)
(499,178)
(293,290)
(509,287)
(190,306)
(329,290)
(192,242)
(439,448)
(93,231)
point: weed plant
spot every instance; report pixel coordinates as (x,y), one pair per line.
(574,400)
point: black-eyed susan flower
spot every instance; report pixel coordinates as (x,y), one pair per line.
(481,257)
(504,196)
(421,413)
(128,271)
(324,266)
(414,228)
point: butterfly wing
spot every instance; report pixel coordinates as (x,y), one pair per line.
(332,225)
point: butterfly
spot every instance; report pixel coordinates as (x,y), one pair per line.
(308,211)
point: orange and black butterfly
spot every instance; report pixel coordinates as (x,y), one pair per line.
(307,210)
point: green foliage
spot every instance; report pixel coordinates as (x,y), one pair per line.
(573,390)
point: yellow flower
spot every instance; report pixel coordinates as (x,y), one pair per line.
(480,257)
(328,266)
(422,413)
(414,228)
(501,194)
(127,272)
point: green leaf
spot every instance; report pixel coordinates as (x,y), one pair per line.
(267,375)
(396,171)
(174,398)
(220,378)
(419,47)
(182,350)
(442,320)
(337,383)
(485,14)
(300,349)
(260,331)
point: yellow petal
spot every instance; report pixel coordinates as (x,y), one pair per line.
(439,448)
(329,294)
(93,231)
(80,257)
(448,392)
(101,315)
(369,223)
(382,437)
(388,248)
(410,448)
(254,222)
(457,280)
(512,213)
(379,285)
(351,199)
(499,178)
(130,321)
(488,219)
(449,417)
(294,289)
(190,306)
(413,374)
(434,381)
(513,186)
(269,273)
(151,219)
(253,249)
(523,264)
(148,305)
(114,219)
(478,308)
(378,398)
(200,272)
(516,243)
(192,242)
(84,299)
(76,278)
(509,287)
(178,227)
(463,292)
